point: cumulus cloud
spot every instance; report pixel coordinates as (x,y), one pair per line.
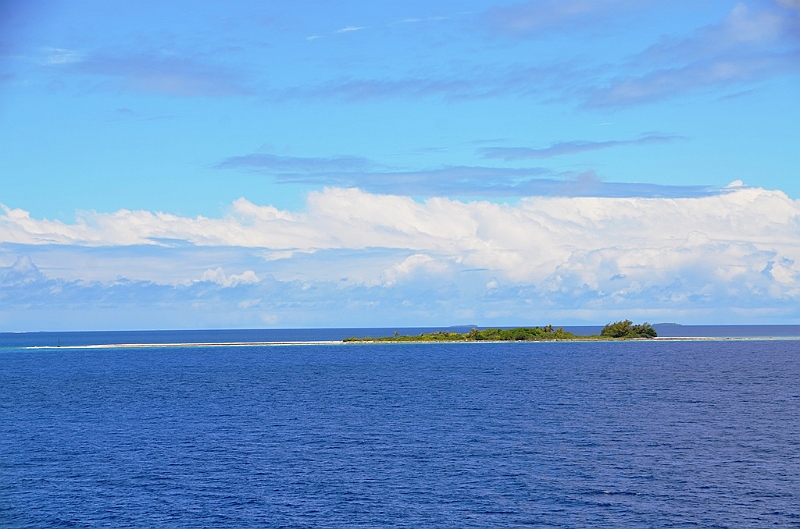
(583,256)
(413,265)
(350,218)
(524,240)
(23,271)
(219,277)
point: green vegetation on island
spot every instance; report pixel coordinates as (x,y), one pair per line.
(620,330)
(627,329)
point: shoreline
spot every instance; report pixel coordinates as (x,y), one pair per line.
(181,344)
(341,342)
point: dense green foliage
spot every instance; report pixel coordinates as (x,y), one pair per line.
(627,329)
(619,330)
(503,335)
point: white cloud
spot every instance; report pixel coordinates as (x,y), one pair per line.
(417,263)
(527,241)
(348,29)
(219,277)
(22,272)
(381,255)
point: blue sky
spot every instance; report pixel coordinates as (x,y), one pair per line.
(324,163)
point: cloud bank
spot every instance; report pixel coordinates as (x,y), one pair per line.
(388,259)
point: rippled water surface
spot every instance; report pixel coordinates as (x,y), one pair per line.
(633,434)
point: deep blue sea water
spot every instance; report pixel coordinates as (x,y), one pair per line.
(624,434)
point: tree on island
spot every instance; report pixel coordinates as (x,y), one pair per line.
(627,329)
(622,330)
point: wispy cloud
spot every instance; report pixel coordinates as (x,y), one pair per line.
(55,56)
(569,147)
(461,181)
(472,181)
(367,89)
(748,46)
(160,73)
(535,17)
(546,82)
(348,29)
(398,258)
(271,163)
(409,20)
(130,115)
(340,31)
(353,171)
(414,20)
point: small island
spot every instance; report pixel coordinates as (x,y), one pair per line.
(620,330)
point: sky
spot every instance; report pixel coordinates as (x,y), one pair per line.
(304,163)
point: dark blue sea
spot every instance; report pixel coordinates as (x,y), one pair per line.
(623,434)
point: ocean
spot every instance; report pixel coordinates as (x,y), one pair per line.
(78,338)
(608,434)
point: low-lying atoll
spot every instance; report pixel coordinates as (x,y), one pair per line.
(620,330)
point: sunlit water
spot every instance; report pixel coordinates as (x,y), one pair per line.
(633,434)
